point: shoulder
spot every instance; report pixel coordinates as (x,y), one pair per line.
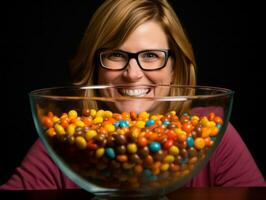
(231,142)
(39,160)
(232,162)
(37,151)
(39,156)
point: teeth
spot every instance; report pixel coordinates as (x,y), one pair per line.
(134,92)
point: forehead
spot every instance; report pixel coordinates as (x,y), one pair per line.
(149,35)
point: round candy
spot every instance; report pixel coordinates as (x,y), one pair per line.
(129,150)
(154,146)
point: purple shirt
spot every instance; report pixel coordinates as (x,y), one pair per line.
(230,165)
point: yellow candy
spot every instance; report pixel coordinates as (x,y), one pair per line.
(169,159)
(173,112)
(81,142)
(179,131)
(110,128)
(56,119)
(71,129)
(98,120)
(59,129)
(90,134)
(140,124)
(108,114)
(165,166)
(144,115)
(100,152)
(174,150)
(51,132)
(132,148)
(212,124)
(204,121)
(196,118)
(79,123)
(93,112)
(154,117)
(72,114)
(100,113)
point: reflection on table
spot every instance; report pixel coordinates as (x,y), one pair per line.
(182,193)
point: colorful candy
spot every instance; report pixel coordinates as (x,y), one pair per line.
(130,150)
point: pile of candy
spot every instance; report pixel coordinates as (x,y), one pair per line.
(130,150)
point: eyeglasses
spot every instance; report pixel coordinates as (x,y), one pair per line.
(148,60)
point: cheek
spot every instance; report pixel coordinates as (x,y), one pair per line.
(169,72)
(105,77)
(163,76)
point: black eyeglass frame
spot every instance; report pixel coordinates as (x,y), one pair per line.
(130,55)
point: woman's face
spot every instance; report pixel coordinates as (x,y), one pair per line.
(149,35)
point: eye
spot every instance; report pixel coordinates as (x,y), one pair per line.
(150,56)
(115,55)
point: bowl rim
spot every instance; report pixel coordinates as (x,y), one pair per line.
(222,91)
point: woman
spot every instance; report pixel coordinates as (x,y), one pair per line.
(132,31)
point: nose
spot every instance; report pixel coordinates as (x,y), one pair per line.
(133,72)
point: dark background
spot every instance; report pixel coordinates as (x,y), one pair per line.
(39,38)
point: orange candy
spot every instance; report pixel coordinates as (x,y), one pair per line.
(199,143)
(47,121)
(142,141)
(218,120)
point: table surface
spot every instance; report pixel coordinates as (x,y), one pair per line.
(182,193)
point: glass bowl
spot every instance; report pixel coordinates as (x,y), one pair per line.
(136,142)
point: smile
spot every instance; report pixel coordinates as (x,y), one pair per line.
(133,92)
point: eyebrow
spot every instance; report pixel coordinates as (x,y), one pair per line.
(152,49)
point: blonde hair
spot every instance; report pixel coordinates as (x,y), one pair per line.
(112,23)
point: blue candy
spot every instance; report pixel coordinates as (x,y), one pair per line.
(190,141)
(123,123)
(150,122)
(166,123)
(154,146)
(110,153)
(219,126)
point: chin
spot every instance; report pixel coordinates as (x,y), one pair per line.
(135,105)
